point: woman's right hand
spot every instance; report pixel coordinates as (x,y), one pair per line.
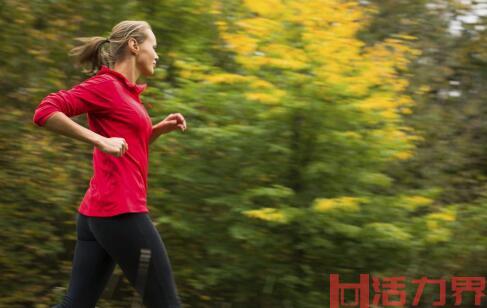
(115,146)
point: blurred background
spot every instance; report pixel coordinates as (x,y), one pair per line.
(330,136)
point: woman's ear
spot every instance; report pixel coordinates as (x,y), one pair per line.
(133,46)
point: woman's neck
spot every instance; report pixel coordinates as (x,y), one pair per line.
(128,69)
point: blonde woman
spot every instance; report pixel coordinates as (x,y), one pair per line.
(113,223)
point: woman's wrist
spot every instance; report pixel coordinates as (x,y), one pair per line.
(158,129)
(97,140)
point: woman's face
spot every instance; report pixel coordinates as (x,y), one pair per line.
(147,56)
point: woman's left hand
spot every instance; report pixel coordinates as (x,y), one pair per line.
(172,122)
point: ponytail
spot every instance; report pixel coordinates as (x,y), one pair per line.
(97,50)
(91,52)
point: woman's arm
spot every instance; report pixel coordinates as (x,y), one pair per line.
(89,96)
(55,110)
(60,123)
(172,122)
(157,130)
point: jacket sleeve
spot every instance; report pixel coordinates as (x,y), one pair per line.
(89,96)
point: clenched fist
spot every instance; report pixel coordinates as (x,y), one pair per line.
(115,146)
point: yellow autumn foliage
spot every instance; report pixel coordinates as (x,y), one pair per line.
(414,202)
(268,8)
(348,204)
(315,43)
(261,84)
(403,155)
(188,69)
(258,27)
(267,214)
(438,230)
(226,78)
(244,44)
(262,97)
(442,216)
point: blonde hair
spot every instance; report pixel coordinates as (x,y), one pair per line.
(92,50)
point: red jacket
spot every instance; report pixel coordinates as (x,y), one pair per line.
(112,103)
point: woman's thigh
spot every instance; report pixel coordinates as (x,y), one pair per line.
(128,238)
(92,268)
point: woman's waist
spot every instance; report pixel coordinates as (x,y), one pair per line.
(130,161)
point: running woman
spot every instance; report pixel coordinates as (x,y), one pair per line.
(112,222)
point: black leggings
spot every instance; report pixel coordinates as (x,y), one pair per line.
(129,240)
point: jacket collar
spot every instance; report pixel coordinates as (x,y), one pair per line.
(135,88)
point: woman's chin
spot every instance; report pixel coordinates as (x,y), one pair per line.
(149,71)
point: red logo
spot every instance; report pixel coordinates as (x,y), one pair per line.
(391,291)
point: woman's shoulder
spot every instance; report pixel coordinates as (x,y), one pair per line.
(100,83)
(99,79)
